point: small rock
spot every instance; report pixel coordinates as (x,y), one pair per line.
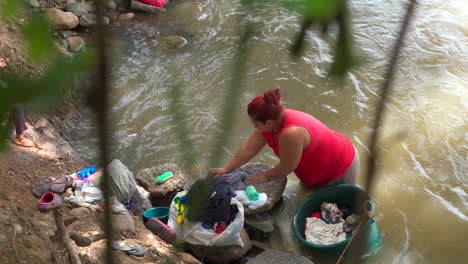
(79,212)
(75,43)
(34,3)
(67,33)
(126,16)
(172,42)
(109,4)
(61,49)
(122,224)
(68,220)
(18,229)
(3,239)
(63,42)
(113,15)
(61,20)
(88,20)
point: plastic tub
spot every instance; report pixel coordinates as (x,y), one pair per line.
(343,194)
(162,213)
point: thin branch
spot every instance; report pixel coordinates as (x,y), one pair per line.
(100,102)
(373,154)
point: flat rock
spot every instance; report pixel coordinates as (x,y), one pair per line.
(273,188)
(259,226)
(222,254)
(271,256)
(122,224)
(79,212)
(147,179)
(126,16)
(61,20)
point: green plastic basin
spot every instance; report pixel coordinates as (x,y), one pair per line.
(344,194)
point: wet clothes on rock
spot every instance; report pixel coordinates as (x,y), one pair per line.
(236,179)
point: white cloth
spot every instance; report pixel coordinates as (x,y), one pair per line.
(242,197)
(320,233)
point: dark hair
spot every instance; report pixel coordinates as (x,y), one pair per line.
(266,107)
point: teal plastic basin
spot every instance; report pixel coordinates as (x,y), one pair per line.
(343,194)
(162,213)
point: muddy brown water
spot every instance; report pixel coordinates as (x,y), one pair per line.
(421,190)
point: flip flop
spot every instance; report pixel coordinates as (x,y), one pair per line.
(61,183)
(129,249)
(42,187)
(161,230)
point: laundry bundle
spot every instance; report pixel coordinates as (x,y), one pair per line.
(333,224)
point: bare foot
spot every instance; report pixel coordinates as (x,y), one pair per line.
(22,141)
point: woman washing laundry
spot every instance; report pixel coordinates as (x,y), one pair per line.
(304,145)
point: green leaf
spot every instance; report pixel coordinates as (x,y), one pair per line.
(9,7)
(38,38)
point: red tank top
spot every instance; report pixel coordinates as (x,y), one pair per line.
(328,155)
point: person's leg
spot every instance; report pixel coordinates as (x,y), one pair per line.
(20,127)
(350,175)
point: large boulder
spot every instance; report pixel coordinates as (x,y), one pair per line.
(271,256)
(273,188)
(61,20)
(160,194)
(222,254)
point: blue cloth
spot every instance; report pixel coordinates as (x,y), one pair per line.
(86,172)
(236,179)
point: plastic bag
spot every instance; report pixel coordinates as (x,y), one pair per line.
(189,231)
(122,181)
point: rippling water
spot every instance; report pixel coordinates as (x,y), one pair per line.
(421,200)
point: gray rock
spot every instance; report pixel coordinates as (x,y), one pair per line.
(75,43)
(88,20)
(34,3)
(222,254)
(61,49)
(147,179)
(271,256)
(274,189)
(61,20)
(259,226)
(109,4)
(66,33)
(79,9)
(172,42)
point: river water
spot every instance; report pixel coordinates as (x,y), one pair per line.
(421,192)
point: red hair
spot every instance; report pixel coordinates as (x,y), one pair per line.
(266,107)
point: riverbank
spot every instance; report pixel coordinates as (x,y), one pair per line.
(26,235)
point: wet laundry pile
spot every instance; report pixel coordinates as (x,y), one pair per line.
(333,224)
(247,195)
(209,201)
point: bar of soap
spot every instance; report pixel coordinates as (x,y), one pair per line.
(252,194)
(164,177)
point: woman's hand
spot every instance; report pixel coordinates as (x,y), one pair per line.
(2,63)
(257,177)
(216,172)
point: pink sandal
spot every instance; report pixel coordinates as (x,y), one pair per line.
(49,201)
(161,230)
